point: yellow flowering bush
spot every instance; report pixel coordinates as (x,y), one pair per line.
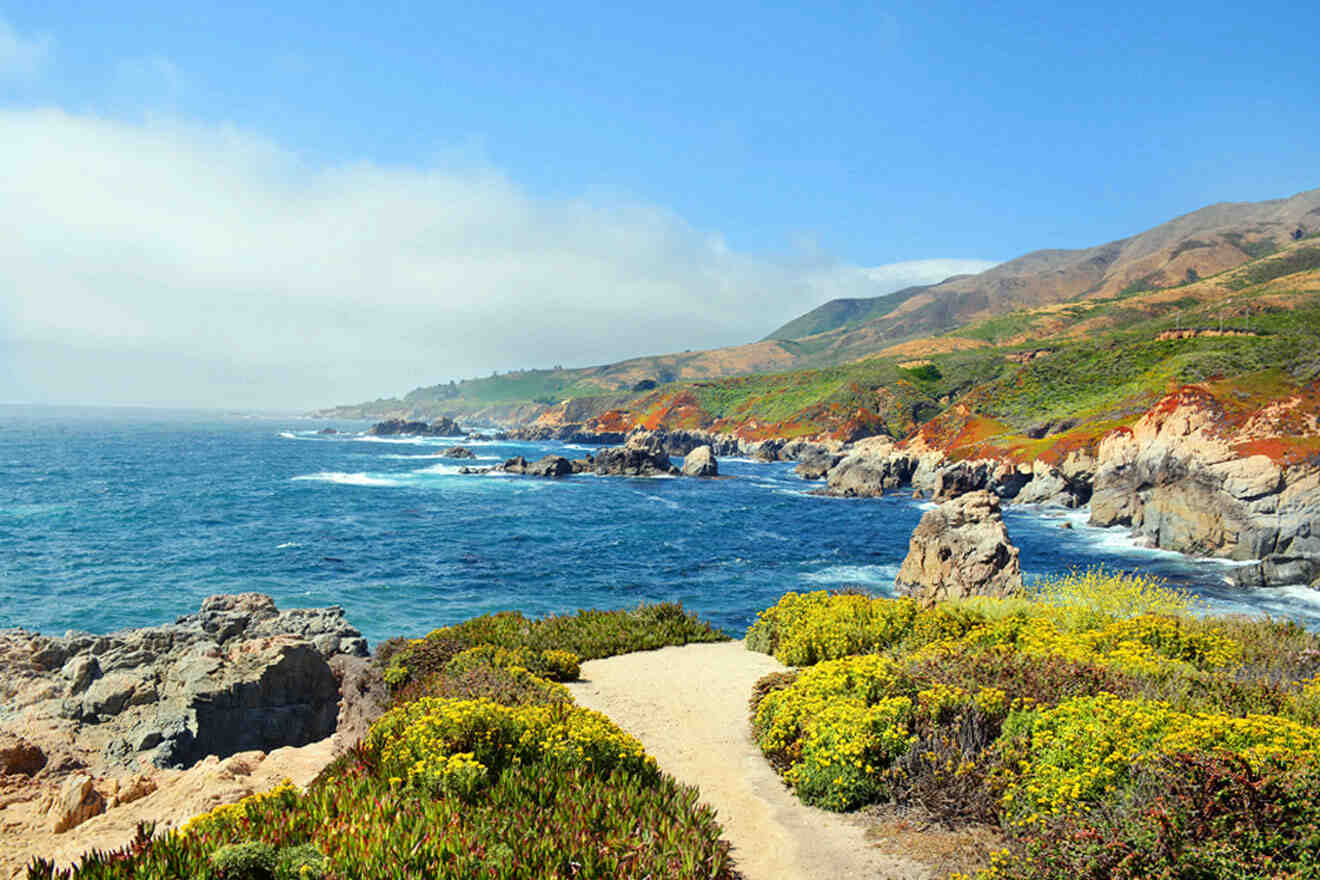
(1092,598)
(441,742)
(1082,750)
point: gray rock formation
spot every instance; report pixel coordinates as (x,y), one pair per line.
(870,469)
(643,456)
(546,466)
(816,462)
(457,452)
(682,442)
(701,462)
(238,675)
(961,548)
(442,427)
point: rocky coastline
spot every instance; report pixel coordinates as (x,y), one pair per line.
(98,732)
(1180,476)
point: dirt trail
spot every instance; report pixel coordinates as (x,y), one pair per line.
(688,706)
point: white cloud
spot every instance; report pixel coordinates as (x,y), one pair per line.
(909,273)
(21,56)
(172,263)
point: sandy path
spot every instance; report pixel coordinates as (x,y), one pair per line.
(688,706)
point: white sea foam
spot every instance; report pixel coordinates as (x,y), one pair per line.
(1121,539)
(1292,592)
(343,479)
(864,575)
(442,469)
(415,441)
(287,544)
(667,502)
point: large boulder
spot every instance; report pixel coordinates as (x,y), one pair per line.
(701,462)
(873,467)
(961,548)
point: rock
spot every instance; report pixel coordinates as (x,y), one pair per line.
(81,671)
(78,801)
(644,458)
(457,452)
(237,675)
(961,548)
(701,462)
(549,466)
(571,432)
(681,442)
(960,478)
(816,462)
(442,427)
(18,756)
(1177,479)
(131,788)
(115,692)
(327,431)
(1277,571)
(363,697)
(1049,485)
(870,470)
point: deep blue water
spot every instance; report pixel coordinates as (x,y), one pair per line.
(114,518)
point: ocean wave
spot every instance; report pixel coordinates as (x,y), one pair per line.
(287,544)
(446,470)
(345,479)
(863,575)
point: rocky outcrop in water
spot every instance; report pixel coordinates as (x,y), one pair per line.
(681,442)
(959,549)
(640,457)
(457,452)
(442,427)
(701,462)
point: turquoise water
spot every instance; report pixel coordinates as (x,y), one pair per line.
(119,518)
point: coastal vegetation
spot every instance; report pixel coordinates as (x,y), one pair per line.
(483,768)
(1100,725)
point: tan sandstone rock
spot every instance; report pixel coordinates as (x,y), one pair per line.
(961,548)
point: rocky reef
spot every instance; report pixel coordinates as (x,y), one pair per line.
(443,427)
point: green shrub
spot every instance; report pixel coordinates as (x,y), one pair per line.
(250,860)
(303,862)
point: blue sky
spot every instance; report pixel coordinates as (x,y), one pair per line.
(758,157)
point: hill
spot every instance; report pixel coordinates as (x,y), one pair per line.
(853,370)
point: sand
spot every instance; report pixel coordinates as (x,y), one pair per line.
(688,706)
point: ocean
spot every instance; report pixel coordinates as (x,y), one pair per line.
(114,518)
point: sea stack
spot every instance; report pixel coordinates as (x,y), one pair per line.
(959,549)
